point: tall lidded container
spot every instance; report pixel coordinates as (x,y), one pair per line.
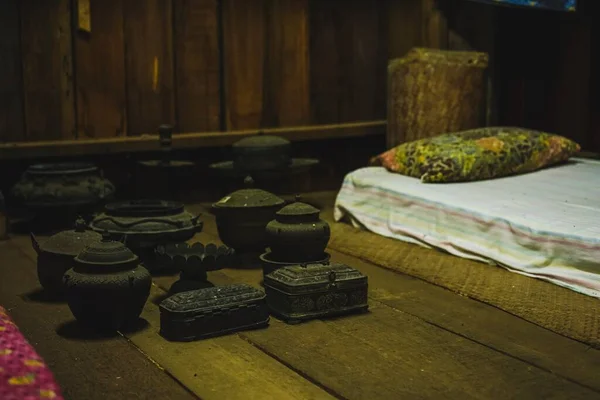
(107,288)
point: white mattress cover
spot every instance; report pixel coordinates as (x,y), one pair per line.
(545,224)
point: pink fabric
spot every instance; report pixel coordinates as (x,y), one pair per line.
(23,373)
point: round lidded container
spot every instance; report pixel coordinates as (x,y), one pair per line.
(297,233)
(107,288)
(147,223)
(262,152)
(243,215)
(62,184)
(56,255)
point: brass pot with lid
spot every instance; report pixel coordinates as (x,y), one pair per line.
(57,253)
(243,215)
(108,287)
(73,184)
(297,233)
(262,152)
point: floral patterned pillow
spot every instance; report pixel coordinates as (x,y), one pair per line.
(477,154)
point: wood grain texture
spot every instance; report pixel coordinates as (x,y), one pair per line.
(148,35)
(197,70)
(84,21)
(227,364)
(433,25)
(388,354)
(472,349)
(91,368)
(480,323)
(363,74)
(348,50)
(325,82)
(100,63)
(403,23)
(226,367)
(82,147)
(572,93)
(47,69)
(472,27)
(286,73)
(12,120)
(244,48)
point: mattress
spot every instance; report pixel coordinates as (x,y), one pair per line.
(545,224)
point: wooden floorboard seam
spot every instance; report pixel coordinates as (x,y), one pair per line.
(152,361)
(486,345)
(157,365)
(292,368)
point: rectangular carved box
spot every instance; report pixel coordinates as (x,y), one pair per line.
(215,311)
(297,293)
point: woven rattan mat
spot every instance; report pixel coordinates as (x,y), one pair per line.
(555,308)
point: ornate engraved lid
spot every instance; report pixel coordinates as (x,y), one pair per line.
(54,169)
(106,253)
(298,212)
(260,140)
(249,198)
(69,243)
(208,299)
(308,278)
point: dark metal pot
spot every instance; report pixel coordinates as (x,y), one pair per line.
(57,254)
(243,215)
(107,288)
(297,233)
(147,223)
(62,185)
(262,152)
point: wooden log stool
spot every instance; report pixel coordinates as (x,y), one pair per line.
(432,91)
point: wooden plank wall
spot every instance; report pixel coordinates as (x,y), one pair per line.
(97,69)
(542,62)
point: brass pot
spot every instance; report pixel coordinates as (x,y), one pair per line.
(262,152)
(297,233)
(57,253)
(243,215)
(62,185)
(147,223)
(107,288)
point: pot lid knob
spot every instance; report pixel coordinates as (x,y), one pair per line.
(297,198)
(80,225)
(248,181)
(165,133)
(106,252)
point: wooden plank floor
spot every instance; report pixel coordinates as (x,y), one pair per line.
(417,341)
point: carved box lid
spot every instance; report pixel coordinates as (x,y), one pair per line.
(310,278)
(209,300)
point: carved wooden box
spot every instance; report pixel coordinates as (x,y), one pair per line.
(215,311)
(302,292)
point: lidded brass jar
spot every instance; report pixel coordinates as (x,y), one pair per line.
(297,233)
(262,152)
(243,215)
(108,287)
(56,255)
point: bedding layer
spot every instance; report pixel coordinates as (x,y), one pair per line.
(545,224)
